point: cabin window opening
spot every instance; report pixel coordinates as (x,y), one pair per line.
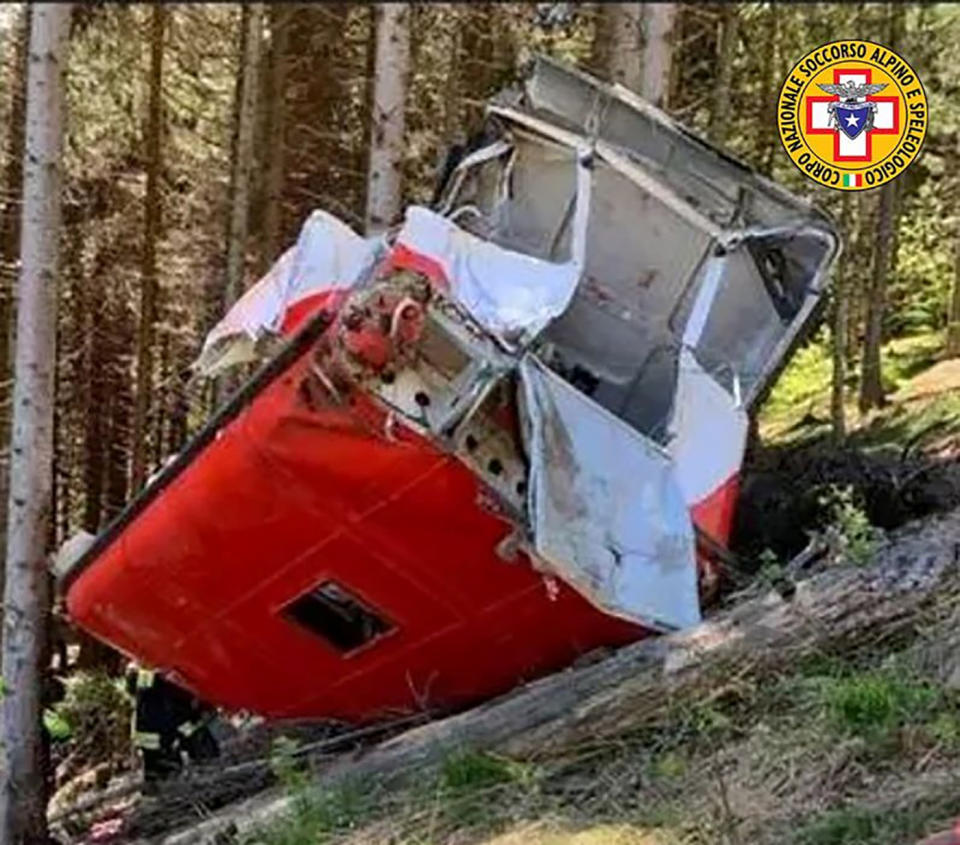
(334,614)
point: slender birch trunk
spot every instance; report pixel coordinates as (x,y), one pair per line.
(9,254)
(26,599)
(391,72)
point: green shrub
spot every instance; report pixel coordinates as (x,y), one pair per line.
(850,536)
(95,716)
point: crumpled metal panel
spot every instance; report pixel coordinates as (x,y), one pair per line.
(605,508)
(510,294)
(328,255)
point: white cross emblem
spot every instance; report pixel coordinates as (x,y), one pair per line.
(885,121)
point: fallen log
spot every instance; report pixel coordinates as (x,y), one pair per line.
(835,610)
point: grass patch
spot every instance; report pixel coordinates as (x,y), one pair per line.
(319,816)
(471,770)
(803,389)
(912,422)
(862,826)
(870,704)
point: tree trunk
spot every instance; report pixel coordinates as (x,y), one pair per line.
(616,43)
(243,160)
(770,79)
(118,409)
(9,254)
(391,72)
(871,384)
(659,19)
(148,272)
(477,58)
(720,109)
(838,337)
(280,18)
(858,257)
(953,315)
(26,600)
(159,452)
(846,609)
(884,258)
(241,172)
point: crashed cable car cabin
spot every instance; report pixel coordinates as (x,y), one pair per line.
(502,435)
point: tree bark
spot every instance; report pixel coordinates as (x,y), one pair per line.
(659,19)
(243,159)
(838,333)
(841,608)
(241,172)
(769,142)
(720,109)
(871,383)
(391,72)
(616,43)
(475,79)
(838,336)
(953,314)
(280,18)
(10,253)
(884,258)
(26,600)
(148,272)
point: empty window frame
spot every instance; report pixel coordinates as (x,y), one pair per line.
(337,617)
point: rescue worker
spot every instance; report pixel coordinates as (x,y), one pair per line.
(167,721)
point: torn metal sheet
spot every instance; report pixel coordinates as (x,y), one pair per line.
(327,256)
(707,432)
(606,511)
(511,294)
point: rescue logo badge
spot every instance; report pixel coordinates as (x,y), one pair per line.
(852,115)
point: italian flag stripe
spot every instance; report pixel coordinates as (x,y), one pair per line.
(852,180)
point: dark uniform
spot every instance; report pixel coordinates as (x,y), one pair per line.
(167,720)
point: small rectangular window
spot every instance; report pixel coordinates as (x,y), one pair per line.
(330,612)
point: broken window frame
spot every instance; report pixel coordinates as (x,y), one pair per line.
(349,609)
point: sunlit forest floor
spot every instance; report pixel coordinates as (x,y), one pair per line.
(922,397)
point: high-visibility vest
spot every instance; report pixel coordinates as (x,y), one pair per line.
(146,740)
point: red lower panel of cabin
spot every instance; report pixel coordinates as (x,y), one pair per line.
(304,565)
